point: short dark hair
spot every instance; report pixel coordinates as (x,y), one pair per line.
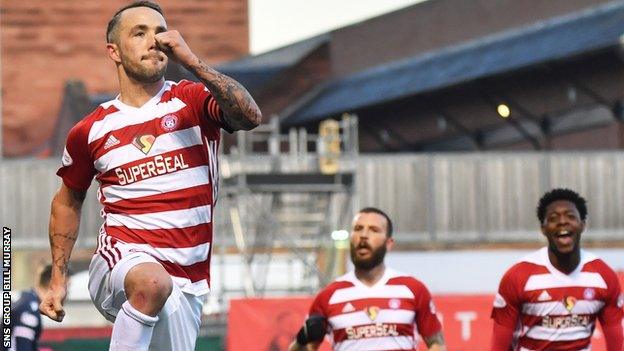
(561,194)
(113,23)
(382,213)
(44,276)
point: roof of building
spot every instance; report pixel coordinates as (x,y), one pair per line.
(255,71)
(551,40)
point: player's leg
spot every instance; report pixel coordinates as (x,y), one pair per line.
(178,326)
(100,290)
(147,286)
(108,291)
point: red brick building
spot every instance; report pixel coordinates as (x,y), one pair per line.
(46,43)
(430,77)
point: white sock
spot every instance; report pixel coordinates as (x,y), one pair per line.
(132,330)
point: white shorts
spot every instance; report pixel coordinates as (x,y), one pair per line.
(179,320)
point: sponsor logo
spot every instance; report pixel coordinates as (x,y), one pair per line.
(372,331)
(566,321)
(66,160)
(499,301)
(156,166)
(589,294)
(620,300)
(544,296)
(569,302)
(169,122)
(372,312)
(144,142)
(348,308)
(394,304)
(110,142)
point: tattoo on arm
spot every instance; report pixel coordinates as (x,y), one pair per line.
(239,108)
(59,244)
(64,223)
(437,338)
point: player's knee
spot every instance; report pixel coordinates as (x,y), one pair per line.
(147,287)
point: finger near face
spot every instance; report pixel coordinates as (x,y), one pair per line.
(162,46)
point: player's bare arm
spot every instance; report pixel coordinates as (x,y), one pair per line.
(239,108)
(435,342)
(64,222)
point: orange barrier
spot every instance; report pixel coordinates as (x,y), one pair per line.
(271,324)
(265,324)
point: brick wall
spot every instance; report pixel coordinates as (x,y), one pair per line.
(44,43)
(294,83)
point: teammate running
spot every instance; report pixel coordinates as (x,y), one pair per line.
(373,307)
(551,299)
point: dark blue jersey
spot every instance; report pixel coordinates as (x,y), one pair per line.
(25,322)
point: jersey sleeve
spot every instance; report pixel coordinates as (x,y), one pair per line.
(612,312)
(320,303)
(205,105)
(77,169)
(427,320)
(506,309)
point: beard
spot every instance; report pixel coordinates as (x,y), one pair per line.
(142,74)
(376,258)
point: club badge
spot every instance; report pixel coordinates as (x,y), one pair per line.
(394,304)
(169,122)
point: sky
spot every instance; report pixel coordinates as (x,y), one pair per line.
(275,23)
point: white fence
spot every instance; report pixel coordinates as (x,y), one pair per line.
(471,197)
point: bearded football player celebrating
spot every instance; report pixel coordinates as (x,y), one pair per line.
(373,307)
(551,299)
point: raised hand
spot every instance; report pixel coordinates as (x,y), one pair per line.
(174,46)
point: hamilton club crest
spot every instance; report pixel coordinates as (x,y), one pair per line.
(169,122)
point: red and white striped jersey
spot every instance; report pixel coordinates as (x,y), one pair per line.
(551,310)
(158,174)
(380,317)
